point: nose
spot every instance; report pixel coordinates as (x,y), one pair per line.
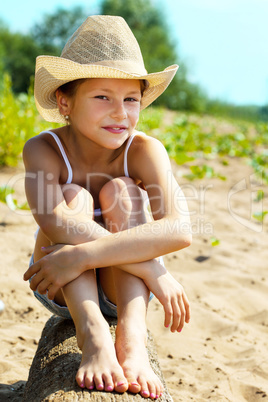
(119,112)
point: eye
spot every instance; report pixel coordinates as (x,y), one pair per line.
(132,100)
(101,97)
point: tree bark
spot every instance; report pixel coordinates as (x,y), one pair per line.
(52,373)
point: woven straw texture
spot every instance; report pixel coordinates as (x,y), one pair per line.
(102,47)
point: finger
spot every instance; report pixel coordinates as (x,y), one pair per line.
(176,316)
(187,308)
(168,314)
(53,289)
(33,269)
(35,281)
(43,286)
(182,314)
(48,249)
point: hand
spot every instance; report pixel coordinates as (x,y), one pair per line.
(59,267)
(171,295)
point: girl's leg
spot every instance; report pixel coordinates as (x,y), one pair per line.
(129,292)
(99,366)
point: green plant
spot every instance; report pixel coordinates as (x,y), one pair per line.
(150,119)
(259,216)
(260,196)
(190,136)
(199,172)
(186,137)
(214,241)
(6,197)
(19,121)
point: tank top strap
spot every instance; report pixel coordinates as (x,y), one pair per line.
(63,153)
(129,141)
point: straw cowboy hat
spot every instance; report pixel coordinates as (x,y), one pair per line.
(102,47)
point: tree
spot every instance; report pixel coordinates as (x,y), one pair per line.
(263,113)
(149,29)
(18,51)
(17,57)
(158,49)
(53,32)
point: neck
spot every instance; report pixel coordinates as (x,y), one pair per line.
(90,152)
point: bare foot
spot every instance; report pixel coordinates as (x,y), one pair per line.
(133,358)
(99,367)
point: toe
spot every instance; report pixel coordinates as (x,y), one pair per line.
(152,391)
(120,381)
(98,382)
(145,393)
(134,386)
(89,383)
(159,388)
(80,379)
(121,385)
(144,388)
(108,381)
(159,391)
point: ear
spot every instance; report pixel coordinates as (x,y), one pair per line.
(64,103)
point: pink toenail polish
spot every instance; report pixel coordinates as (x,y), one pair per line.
(156,396)
(152,395)
(82,385)
(145,393)
(91,387)
(100,386)
(134,383)
(120,383)
(110,388)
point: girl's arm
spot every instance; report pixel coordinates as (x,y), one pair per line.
(148,163)
(45,170)
(122,249)
(170,231)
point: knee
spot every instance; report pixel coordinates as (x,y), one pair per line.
(77,199)
(120,196)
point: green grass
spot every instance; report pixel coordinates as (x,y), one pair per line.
(19,121)
(187,138)
(190,140)
(6,198)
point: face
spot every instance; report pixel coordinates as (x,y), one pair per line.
(106,111)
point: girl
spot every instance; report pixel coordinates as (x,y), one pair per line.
(87,184)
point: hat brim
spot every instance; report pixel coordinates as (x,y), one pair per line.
(52,72)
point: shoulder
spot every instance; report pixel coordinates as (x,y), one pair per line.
(146,152)
(34,142)
(35,146)
(147,146)
(40,151)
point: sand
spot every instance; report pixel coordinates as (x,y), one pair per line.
(222,355)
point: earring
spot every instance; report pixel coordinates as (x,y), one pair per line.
(67,119)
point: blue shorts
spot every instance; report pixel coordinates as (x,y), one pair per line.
(106,306)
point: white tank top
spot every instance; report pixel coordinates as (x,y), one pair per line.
(97,211)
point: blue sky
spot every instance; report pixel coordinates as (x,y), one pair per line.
(222,42)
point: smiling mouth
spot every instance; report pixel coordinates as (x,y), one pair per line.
(115,129)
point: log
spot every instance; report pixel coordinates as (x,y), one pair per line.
(52,373)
